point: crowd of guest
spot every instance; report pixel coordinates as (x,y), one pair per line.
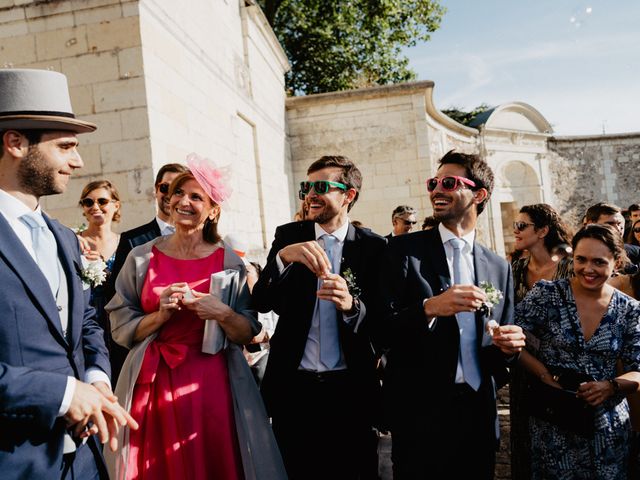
(549,285)
(226,369)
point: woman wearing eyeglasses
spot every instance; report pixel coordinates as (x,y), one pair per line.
(634,234)
(539,230)
(100,203)
(198,408)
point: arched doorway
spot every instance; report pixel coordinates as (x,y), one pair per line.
(519,185)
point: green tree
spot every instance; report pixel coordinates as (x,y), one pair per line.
(463,117)
(342,44)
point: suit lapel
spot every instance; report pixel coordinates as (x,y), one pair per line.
(351,254)
(34,281)
(310,281)
(71,270)
(481,266)
(438,257)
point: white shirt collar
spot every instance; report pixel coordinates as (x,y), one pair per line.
(163,225)
(340,233)
(12,208)
(447,235)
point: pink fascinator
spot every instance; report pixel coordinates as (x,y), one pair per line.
(213,179)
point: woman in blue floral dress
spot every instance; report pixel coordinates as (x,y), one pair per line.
(585,325)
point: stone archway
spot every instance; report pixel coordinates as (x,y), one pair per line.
(519,184)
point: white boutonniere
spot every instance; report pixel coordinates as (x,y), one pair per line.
(493,298)
(79,229)
(93,273)
(350,277)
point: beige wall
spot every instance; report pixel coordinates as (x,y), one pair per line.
(162,79)
(591,169)
(96,43)
(385,131)
(214,77)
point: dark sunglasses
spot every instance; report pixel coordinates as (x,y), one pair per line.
(636,230)
(408,222)
(164,188)
(321,187)
(449,183)
(520,226)
(88,202)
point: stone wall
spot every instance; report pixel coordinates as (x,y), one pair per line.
(386,132)
(214,73)
(590,169)
(96,43)
(162,79)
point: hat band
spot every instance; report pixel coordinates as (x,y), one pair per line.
(46,113)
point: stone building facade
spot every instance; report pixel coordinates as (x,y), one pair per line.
(396,135)
(588,169)
(162,79)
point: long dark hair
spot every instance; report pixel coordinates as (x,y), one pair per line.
(631,238)
(543,215)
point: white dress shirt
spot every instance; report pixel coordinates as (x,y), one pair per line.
(466,256)
(311,357)
(12,209)
(165,228)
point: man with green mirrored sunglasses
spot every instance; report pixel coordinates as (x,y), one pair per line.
(321,187)
(320,385)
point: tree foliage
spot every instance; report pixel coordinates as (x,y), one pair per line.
(343,44)
(463,117)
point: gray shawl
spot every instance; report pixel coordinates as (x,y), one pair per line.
(261,458)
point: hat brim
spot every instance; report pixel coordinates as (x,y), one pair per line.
(46,122)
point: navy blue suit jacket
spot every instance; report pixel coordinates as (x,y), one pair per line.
(35,358)
(422,358)
(292,296)
(128,240)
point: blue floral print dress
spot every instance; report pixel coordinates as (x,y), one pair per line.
(549,313)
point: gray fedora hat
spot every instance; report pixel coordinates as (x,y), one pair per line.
(37,99)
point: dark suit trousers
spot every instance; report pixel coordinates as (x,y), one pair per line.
(82,464)
(452,439)
(320,431)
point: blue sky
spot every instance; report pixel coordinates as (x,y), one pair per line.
(577,62)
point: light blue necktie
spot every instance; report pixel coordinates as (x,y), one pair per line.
(466,321)
(46,249)
(329,338)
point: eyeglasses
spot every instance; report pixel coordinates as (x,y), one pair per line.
(449,183)
(636,230)
(321,187)
(164,188)
(520,226)
(408,222)
(88,202)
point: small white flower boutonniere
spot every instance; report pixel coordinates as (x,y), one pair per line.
(353,287)
(79,229)
(493,298)
(93,273)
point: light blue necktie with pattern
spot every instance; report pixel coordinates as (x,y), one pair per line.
(329,336)
(466,322)
(46,249)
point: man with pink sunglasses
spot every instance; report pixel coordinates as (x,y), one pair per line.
(444,356)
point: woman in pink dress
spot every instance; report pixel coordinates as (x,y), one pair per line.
(181,397)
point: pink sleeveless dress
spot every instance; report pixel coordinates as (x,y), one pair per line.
(182,398)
